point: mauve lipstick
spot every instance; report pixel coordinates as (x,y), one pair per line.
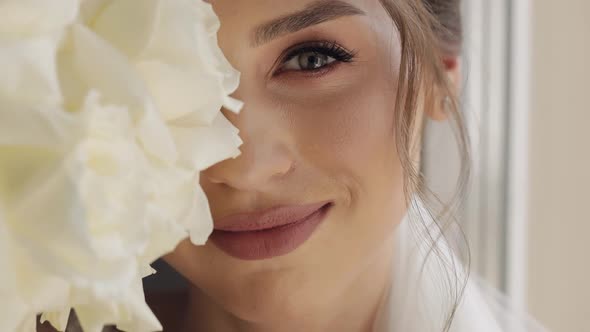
(266,234)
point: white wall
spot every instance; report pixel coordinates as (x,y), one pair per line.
(559,242)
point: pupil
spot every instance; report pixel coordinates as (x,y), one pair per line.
(312,60)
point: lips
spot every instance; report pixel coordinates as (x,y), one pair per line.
(270,233)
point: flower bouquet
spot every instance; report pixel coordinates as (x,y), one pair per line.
(109,109)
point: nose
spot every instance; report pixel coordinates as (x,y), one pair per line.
(265,155)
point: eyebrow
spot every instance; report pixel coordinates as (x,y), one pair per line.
(314,13)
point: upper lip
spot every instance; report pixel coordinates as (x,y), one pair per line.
(266,219)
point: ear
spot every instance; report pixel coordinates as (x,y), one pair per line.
(452,67)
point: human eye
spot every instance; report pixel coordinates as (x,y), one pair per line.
(314,57)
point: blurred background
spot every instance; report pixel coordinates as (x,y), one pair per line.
(526,100)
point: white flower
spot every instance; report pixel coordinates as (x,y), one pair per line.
(108,111)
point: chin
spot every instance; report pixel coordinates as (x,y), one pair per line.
(268,297)
(271,291)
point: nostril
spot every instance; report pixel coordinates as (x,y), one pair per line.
(285,169)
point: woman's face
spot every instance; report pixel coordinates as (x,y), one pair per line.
(319,82)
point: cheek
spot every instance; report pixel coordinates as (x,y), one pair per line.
(350,134)
(350,137)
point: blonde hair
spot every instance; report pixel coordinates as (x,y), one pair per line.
(430,30)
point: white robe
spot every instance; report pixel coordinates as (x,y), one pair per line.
(422,286)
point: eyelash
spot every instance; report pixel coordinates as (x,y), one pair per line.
(328,48)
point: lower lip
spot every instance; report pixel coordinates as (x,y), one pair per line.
(269,243)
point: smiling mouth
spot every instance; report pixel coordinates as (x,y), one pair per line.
(269,234)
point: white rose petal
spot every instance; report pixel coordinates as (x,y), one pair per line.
(196,142)
(180,60)
(26,18)
(113,25)
(106,70)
